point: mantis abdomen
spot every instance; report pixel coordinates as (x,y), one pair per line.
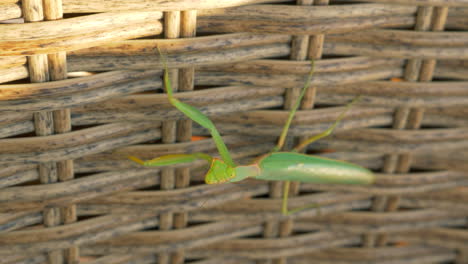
(287,166)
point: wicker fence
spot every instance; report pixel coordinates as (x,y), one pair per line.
(81,91)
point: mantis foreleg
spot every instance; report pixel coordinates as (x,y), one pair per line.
(197,116)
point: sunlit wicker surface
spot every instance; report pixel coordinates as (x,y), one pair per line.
(82,91)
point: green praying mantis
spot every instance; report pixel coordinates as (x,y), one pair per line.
(273,166)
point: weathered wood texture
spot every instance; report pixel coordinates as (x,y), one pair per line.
(81,90)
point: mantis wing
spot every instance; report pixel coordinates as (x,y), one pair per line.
(286,166)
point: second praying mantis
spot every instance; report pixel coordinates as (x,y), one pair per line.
(273,166)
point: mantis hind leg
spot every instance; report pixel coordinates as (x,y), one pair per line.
(284,205)
(329,130)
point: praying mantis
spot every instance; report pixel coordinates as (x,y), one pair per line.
(273,166)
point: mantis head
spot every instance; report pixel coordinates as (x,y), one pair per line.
(220,172)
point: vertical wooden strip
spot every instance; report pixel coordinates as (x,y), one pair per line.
(48,172)
(438,24)
(65,168)
(169,128)
(462,256)
(32,10)
(299,50)
(405,118)
(57,63)
(57,66)
(270,230)
(314,51)
(62,121)
(38,68)
(43,121)
(300,46)
(403,161)
(184,127)
(423,22)
(53,9)
(188,24)
(186,75)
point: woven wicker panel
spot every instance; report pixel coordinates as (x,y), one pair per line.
(81,91)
